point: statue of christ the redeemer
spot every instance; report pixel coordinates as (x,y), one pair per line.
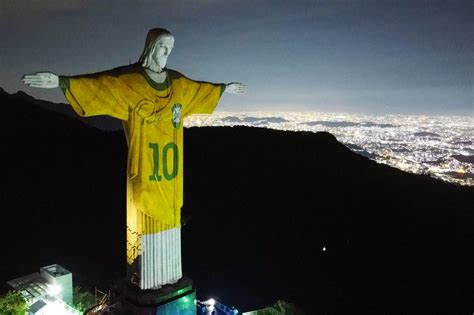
(152,102)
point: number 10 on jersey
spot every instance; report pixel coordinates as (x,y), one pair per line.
(161,162)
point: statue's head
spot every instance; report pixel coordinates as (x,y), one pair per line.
(158,46)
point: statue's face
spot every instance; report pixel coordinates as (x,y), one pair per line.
(163,49)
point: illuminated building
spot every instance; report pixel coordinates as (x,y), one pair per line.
(48,292)
(213,307)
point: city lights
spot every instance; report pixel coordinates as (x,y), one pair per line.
(438,146)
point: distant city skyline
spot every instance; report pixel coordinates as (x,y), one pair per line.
(439,146)
(380,57)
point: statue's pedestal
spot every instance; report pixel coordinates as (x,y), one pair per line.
(172,299)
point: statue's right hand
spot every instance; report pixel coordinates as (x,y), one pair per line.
(45,80)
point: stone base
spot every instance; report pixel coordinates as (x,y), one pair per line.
(172,299)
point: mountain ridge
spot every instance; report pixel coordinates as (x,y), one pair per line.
(99,122)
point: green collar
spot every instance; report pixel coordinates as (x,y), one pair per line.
(153,84)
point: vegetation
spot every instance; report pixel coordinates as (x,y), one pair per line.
(83,300)
(13,303)
(286,308)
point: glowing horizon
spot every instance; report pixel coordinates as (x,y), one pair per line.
(431,145)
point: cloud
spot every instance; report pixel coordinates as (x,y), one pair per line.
(15,8)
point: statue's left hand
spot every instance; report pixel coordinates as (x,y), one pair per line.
(45,80)
(235,88)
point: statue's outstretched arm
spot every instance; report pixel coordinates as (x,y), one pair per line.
(49,80)
(235,88)
(45,80)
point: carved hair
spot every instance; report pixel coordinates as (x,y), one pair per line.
(150,45)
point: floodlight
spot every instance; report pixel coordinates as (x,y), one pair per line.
(210,302)
(58,308)
(54,289)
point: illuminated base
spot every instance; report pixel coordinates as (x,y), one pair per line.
(175,299)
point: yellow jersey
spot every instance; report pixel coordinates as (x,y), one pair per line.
(153,122)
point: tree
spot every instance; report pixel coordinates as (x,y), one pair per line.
(286,308)
(13,303)
(82,299)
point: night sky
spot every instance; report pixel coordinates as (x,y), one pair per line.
(344,56)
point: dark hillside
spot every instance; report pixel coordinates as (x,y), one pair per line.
(20,97)
(260,205)
(63,193)
(271,200)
